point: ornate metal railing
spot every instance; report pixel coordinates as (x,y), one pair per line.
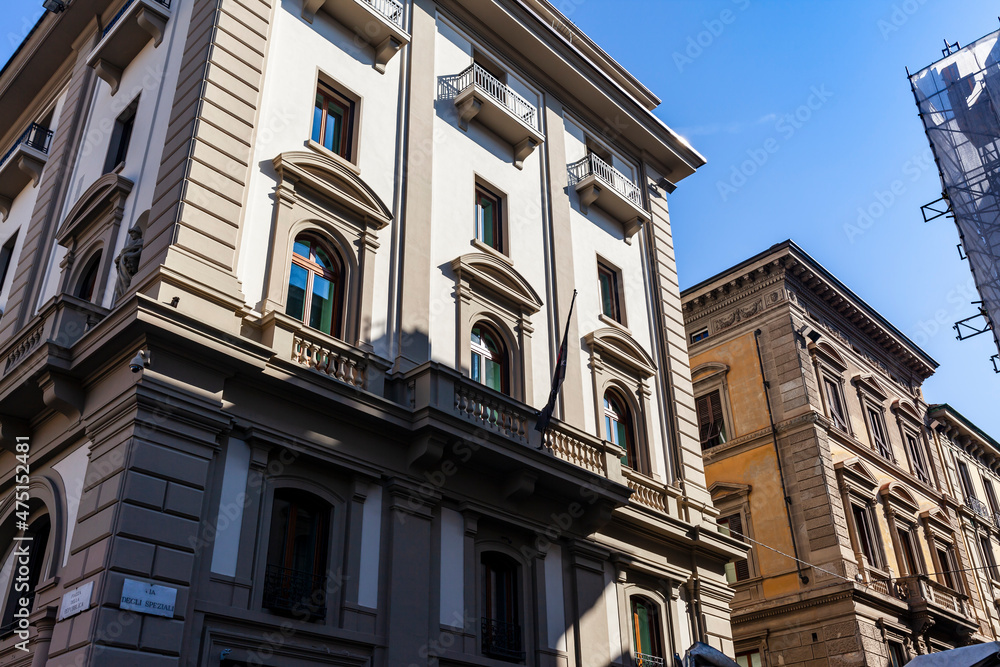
(595,166)
(503,94)
(501,640)
(391,9)
(996,520)
(324,357)
(36,136)
(646,660)
(978,506)
(294,593)
(121,12)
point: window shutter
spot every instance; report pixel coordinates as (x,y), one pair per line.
(703,406)
(716,407)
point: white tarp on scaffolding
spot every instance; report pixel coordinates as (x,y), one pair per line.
(958,98)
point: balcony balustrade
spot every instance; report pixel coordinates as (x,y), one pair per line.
(502,640)
(616,194)
(646,660)
(23,163)
(61,322)
(978,506)
(499,108)
(377,22)
(294,593)
(125,35)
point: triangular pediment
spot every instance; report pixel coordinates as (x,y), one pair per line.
(334,181)
(831,356)
(725,490)
(872,385)
(622,347)
(497,276)
(857,475)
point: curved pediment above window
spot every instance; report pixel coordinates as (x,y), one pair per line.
(621,347)
(491,274)
(903,408)
(900,498)
(102,202)
(708,370)
(333,181)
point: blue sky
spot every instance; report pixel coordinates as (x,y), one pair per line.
(729,73)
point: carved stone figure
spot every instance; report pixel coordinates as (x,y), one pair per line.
(127,261)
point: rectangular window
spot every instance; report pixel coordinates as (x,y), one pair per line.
(6,257)
(965,480)
(907,556)
(711,426)
(610,300)
(879,437)
(867,539)
(699,335)
(989,560)
(333,121)
(896,656)
(991,494)
(947,573)
(489,220)
(835,403)
(734,522)
(749,659)
(121,136)
(917,457)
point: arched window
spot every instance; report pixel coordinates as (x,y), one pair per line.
(501,621)
(315,285)
(646,640)
(489,359)
(295,581)
(88,278)
(618,427)
(38,538)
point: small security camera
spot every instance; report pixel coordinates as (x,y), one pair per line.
(139,361)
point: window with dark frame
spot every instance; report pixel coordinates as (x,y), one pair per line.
(489,359)
(908,556)
(965,480)
(880,439)
(121,137)
(897,658)
(646,639)
(88,278)
(295,576)
(749,659)
(916,457)
(333,121)
(698,336)
(618,428)
(711,423)
(489,219)
(610,299)
(867,537)
(37,536)
(991,496)
(835,403)
(734,522)
(315,285)
(989,560)
(7,258)
(501,620)
(947,573)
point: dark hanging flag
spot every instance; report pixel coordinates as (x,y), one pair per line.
(545,416)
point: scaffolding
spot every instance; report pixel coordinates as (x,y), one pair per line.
(958,98)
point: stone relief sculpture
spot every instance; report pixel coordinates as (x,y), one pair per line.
(127,261)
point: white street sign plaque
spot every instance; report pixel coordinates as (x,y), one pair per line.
(148,598)
(76,600)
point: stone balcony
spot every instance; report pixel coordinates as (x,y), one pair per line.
(23,163)
(125,35)
(377,22)
(598,183)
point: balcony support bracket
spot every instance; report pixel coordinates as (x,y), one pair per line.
(467,110)
(632,227)
(109,73)
(31,167)
(385,51)
(588,195)
(152,23)
(5,204)
(520,485)
(309,9)
(62,393)
(522,150)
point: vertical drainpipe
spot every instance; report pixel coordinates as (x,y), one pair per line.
(777,453)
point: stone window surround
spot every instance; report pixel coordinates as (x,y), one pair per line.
(830,365)
(619,293)
(318,194)
(324,79)
(525,607)
(46,497)
(629,590)
(730,498)
(481,183)
(871,395)
(618,362)
(857,489)
(489,290)
(901,511)
(908,423)
(709,377)
(939,534)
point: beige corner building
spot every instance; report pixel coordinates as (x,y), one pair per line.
(818,445)
(283,286)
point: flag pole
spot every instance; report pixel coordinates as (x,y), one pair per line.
(544,416)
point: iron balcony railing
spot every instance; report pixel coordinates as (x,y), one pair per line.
(502,640)
(503,94)
(978,506)
(996,520)
(294,593)
(36,136)
(390,9)
(121,12)
(646,660)
(595,166)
